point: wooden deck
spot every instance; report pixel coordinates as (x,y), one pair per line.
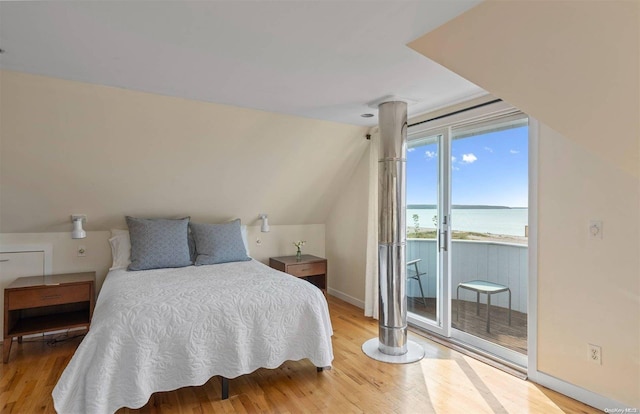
(445,381)
(513,337)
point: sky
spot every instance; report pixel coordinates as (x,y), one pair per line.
(489,169)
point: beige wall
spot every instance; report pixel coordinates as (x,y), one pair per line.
(347,237)
(588,289)
(575,67)
(98,253)
(69,147)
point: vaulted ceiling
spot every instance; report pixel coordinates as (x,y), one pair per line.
(317,59)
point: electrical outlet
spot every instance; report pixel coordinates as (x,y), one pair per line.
(82,251)
(595,354)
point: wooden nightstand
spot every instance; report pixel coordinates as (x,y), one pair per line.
(310,268)
(38,304)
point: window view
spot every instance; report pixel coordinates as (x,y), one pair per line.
(422,194)
(488,201)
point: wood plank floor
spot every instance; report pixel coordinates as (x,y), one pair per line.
(512,336)
(443,382)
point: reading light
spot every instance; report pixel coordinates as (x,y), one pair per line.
(265,223)
(77,220)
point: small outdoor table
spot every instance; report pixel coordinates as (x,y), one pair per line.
(482,286)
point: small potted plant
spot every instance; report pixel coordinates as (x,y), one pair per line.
(299,244)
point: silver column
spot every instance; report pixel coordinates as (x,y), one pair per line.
(392,233)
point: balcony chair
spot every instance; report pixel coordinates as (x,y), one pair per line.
(415,274)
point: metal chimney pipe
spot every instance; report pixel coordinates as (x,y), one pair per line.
(392,345)
(392,234)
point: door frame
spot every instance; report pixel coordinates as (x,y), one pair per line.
(442,324)
(442,126)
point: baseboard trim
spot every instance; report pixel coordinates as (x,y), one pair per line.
(347,298)
(578,393)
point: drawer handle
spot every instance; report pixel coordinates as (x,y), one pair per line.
(51,297)
(4,260)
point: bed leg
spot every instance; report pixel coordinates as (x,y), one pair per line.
(225,388)
(319,369)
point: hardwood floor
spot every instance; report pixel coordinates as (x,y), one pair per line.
(512,336)
(443,382)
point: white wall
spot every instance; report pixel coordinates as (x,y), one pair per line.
(575,67)
(65,251)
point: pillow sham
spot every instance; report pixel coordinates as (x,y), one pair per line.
(158,243)
(219,243)
(121,247)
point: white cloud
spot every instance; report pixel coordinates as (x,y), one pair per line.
(410,149)
(469,158)
(488,149)
(514,151)
(430,154)
(453,158)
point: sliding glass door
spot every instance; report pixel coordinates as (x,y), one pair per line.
(427,232)
(467,187)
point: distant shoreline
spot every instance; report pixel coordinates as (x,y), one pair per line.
(430,233)
(461,207)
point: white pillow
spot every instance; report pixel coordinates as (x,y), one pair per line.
(243,232)
(120,249)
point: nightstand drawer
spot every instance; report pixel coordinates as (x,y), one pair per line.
(47,296)
(307,269)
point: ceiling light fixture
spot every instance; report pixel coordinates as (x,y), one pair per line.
(367,115)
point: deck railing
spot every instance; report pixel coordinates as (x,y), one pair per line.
(503,263)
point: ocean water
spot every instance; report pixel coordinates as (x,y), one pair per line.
(496,221)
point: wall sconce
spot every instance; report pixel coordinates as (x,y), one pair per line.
(265,223)
(77,220)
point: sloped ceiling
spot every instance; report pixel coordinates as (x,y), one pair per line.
(210,109)
(317,59)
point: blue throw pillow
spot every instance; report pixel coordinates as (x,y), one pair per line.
(158,243)
(218,243)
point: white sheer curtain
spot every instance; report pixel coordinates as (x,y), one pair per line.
(371,297)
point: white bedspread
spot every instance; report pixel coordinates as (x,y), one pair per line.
(159,330)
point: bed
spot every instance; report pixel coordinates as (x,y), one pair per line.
(163,329)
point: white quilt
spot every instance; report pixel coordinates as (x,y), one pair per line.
(159,330)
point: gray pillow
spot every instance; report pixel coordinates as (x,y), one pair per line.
(158,243)
(218,243)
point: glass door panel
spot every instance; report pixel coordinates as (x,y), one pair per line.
(425,260)
(489,197)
